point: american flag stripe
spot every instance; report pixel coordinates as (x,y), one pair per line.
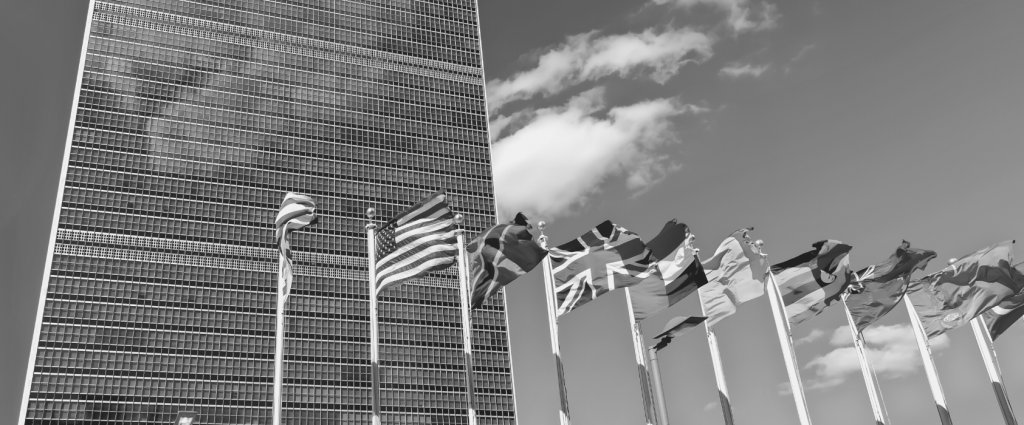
(417,241)
(402,254)
(442,247)
(297,211)
(420,227)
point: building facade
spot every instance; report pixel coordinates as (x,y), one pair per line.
(192,120)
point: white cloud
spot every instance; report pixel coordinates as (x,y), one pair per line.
(814,335)
(746,70)
(713,405)
(559,156)
(743,15)
(653,54)
(892,351)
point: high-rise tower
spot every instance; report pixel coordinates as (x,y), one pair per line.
(192,119)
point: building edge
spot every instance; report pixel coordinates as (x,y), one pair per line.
(30,369)
(494,196)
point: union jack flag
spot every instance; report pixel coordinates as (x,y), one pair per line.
(603,259)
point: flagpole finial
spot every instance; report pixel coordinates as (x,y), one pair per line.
(543,238)
(759,244)
(458,222)
(370,213)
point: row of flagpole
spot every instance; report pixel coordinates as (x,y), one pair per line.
(652,392)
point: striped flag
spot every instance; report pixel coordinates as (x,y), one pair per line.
(676,327)
(500,255)
(603,259)
(416,242)
(813,280)
(297,211)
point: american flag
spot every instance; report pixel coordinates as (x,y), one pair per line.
(416,242)
(297,211)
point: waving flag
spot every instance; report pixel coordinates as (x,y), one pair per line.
(603,259)
(813,280)
(1004,315)
(952,297)
(885,284)
(676,327)
(416,242)
(681,274)
(735,275)
(297,211)
(500,255)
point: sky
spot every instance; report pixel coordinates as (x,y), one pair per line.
(865,122)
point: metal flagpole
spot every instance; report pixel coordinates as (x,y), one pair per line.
(716,360)
(371,255)
(870,381)
(786,341)
(641,362)
(929,364)
(988,354)
(279,340)
(549,289)
(467,321)
(659,391)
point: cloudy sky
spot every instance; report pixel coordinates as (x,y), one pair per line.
(859,121)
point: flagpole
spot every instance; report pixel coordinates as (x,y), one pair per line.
(870,381)
(786,341)
(371,255)
(467,321)
(659,391)
(549,289)
(988,354)
(279,339)
(641,362)
(716,359)
(929,364)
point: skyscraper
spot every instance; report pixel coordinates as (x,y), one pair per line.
(192,120)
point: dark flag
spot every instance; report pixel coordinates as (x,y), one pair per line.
(680,270)
(1002,316)
(500,255)
(885,284)
(813,280)
(952,297)
(676,327)
(418,241)
(603,259)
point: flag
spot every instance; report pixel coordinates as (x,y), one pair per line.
(603,259)
(416,242)
(1002,316)
(676,327)
(735,275)
(885,284)
(500,255)
(297,211)
(813,280)
(952,297)
(680,274)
